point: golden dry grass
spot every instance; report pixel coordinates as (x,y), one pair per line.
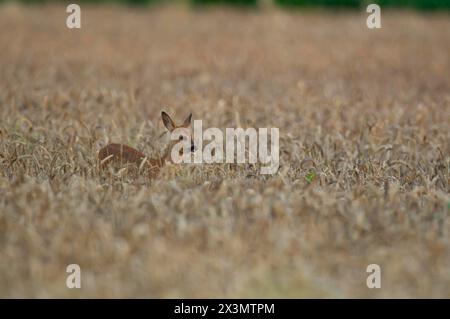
(364,136)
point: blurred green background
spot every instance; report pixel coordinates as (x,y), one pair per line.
(416,4)
(413,4)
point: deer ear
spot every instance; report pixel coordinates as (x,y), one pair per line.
(168,123)
(187,121)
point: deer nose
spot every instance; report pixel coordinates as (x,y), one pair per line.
(193,148)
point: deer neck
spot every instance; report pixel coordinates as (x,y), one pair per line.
(166,156)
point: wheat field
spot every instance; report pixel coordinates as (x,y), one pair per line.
(364,171)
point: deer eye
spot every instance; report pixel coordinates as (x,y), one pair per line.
(181,138)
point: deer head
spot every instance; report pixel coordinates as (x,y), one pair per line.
(180,135)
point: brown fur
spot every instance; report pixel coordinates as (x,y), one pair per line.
(124,154)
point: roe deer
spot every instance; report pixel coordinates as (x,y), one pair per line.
(123,154)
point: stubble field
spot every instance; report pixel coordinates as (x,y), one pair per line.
(364,153)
